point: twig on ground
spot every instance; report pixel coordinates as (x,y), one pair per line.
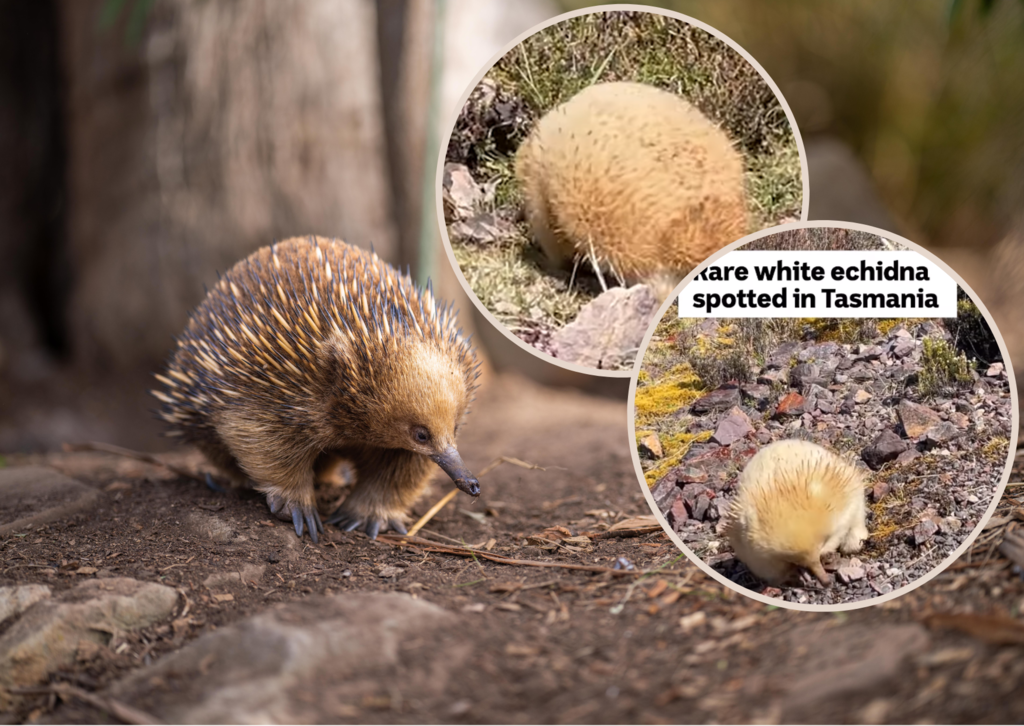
(426,545)
(451,495)
(121,711)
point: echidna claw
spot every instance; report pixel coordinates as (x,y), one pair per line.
(349,522)
(302,517)
(214,485)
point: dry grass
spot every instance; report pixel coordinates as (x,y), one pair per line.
(552,66)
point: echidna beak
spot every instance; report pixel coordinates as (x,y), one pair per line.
(819,572)
(451,462)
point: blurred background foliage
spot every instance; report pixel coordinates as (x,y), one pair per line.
(929,95)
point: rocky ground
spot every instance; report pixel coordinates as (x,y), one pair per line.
(130,594)
(933,463)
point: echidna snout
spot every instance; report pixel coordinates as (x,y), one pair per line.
(451,462)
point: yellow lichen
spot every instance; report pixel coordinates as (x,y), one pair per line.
(675,447)
(677,388)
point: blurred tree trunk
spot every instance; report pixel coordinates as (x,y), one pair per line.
(228,125)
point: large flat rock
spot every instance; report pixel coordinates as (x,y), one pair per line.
(49,633)
(35,495)
(313,661)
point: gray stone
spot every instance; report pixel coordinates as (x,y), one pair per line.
(236,578)
(16,600)
(924,532)
(48,635)
(304,662)
(483,228)
(886,447)
(721,399)
(650,447)
(732,428)
(916,418)
(941,433)
(804,374)
(608,330)
(35,495)
(461,195)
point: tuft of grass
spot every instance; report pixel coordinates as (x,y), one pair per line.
(675,447)
(942,368)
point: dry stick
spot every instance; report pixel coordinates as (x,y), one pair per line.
(129,454)
(426,545)
(451,495)
(122,711)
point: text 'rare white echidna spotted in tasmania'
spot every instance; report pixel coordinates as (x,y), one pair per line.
(312,349)
(634,179)
(796,501)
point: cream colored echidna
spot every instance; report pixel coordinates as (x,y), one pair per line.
(795,502)
(313,348)
(634,179)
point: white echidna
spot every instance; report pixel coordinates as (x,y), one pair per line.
(313,348)
(636,180)
(795,501)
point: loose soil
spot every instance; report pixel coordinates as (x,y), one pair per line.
(548,644)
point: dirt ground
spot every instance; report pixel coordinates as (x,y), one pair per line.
(660,643)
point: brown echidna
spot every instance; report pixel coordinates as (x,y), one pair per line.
(312,348)
(636,180)
(795,502)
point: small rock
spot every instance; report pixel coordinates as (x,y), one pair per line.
(483,228)
(390,571)
(861,396)
(677,512)
(908,456)
(916,418)
(16,600)
(803,374)
(995,370)
(941,433)
(460,193)
(880,490)
(961,421)
(246,573)
(47,635)
(902,347)
(924,532)
(757,395)
(650,447)
(721,399)
(608,330)
(850,574)
(792,404)
(870,352)
(886,447)
(700,508)
(732,428)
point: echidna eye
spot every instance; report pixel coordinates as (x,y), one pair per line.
(421,435)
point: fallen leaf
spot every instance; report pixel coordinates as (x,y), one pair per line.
(225,597)
(646,521)
(86,571)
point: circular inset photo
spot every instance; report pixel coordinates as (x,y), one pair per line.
(824,417)
(597,162)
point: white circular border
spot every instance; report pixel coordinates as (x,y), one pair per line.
(778,602)
(502,53)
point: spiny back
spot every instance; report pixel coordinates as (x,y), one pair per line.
(276,327)
(792,492)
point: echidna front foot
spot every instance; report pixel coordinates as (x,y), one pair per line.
(301,516)
(213,485)
(349,521)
